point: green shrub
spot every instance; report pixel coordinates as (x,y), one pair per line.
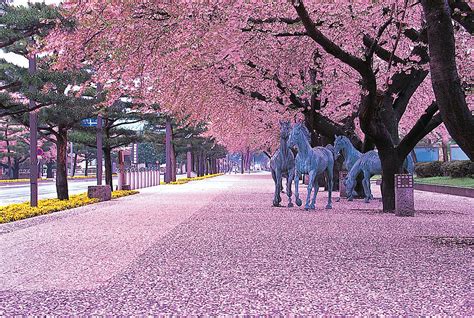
(428,169)
(458,168)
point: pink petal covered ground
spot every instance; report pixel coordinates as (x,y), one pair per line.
(218,247)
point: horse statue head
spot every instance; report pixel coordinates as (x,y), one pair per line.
(350,184)
(285,129)
(340,142)
(298,134)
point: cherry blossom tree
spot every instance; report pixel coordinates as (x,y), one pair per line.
(360,70)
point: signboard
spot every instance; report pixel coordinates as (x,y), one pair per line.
(135,153)
(89,122)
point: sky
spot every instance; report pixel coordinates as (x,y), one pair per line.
(14,58)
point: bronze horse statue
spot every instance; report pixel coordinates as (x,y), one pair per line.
(282,164)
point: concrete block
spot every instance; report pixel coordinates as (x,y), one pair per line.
(101,192)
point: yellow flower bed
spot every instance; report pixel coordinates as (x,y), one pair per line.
(19,211)
(186,180)
(122,193)
(18,180)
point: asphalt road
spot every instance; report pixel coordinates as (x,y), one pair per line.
(17,193)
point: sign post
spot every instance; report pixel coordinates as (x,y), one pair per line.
(33,138)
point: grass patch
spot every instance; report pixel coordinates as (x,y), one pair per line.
(186,180)
(454,182)
(20,211)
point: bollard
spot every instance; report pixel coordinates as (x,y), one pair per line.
(137,178)
(131,180)
(342,185)
(120,180)
(404,195)
(127,178)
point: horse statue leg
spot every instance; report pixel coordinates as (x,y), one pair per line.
(366,184)
(312,206)
(312,176)
(276,176)
(289,180)
(349,192)
(330,181)
(297,193)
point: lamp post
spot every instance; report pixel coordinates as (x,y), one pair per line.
(99,139)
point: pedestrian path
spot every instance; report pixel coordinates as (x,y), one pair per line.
(218,247)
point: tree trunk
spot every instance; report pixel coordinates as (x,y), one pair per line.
(444,76)
(390,166)
(202,163)
(49,170)
(16,169)
(168,140)
(61,165)
(108,167)
(86,173)
(173,164)
(242,163)
(74,165)
(9,158)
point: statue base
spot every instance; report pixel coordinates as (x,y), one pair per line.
(342,185)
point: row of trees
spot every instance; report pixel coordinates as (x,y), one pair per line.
(64,98)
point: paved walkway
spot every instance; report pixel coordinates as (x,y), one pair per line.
(217,247)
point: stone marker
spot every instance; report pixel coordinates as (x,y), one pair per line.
(342,185)
(101,192)
(404,195)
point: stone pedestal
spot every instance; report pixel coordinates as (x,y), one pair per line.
(404,196)
(342,185)
(101,192)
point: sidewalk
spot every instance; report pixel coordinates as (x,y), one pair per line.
(218,247)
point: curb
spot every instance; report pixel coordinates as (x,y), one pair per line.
(463,192)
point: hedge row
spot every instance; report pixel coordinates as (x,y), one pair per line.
(454,169)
